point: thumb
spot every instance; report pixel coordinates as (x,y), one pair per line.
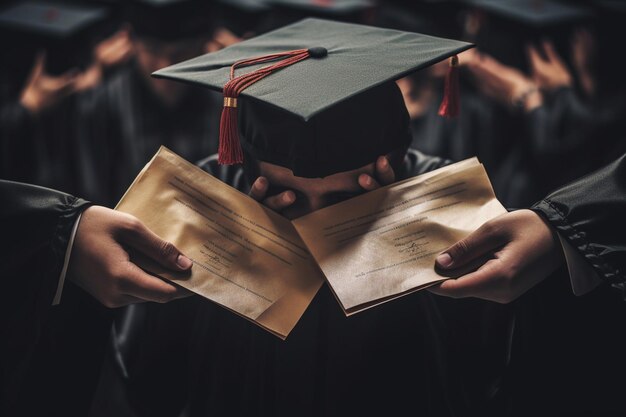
(477,244)
(151,245)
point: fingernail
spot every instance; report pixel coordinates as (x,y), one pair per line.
(261,181)
(183,262)
(368,180)
(384,163)
(287,197)
(444,260)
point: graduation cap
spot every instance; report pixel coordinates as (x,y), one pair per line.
(170,20)
(242,16)
(535,13)
(288,11)
(65,31)
(432,17)
(315,93)
(328,7)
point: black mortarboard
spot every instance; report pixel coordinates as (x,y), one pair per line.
(65,31)
(242,17)
(353,11)
(170,20)
(617,6)
(328,7)
(331,68)
(537,13)
(432,17)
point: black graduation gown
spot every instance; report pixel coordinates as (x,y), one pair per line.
(48,355)
(121,124)
(40,149)
(18,156)
(570,136)
(590,214)
(568,351)
(420,354)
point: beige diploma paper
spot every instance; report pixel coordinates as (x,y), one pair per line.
(383,244)
(246,257)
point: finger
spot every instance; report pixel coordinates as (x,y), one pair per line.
(115,45)
(550,51)
(38,66)
(280,201)
(259,188)
(533,56)
(384,171)
(165,253)
(64,85)
(481,283)
(120,53)
(477,244)
(40,62)
(88,79)
(368,183)
(144,286)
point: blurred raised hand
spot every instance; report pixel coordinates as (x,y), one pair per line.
(548,70)
(507,85)
(108,54)
(115,50)
(42,90)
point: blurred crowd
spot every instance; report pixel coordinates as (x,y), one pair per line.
(541,103)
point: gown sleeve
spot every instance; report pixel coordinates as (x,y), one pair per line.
(36,226)
(590,215)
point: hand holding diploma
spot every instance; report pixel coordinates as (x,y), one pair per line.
(248,258)
(383,244)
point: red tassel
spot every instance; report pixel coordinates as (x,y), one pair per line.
(450,105)
(229,151)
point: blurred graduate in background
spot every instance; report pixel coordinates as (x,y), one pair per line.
(53,53)
(123,122)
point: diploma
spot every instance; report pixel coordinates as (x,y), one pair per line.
(246,258)
(370,249)
(382,245)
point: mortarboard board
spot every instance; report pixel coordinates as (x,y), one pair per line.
(252,6)
(536,13)
(353,11)
(618,6)
(242,16)
(332,66)
(65,31)
(431,17)
(328,7)
(170,20)
(514,23)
